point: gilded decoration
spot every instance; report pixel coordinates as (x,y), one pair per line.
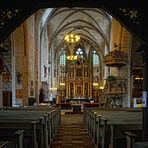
(114,91)
(115,87)
(78,79)
(115,58)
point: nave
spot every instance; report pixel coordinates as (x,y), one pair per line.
(72,133)
(35,68)
(51,127)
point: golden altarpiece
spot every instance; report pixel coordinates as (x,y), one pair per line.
(78,79)
(78,76)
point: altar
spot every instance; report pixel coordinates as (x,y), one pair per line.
(76,107)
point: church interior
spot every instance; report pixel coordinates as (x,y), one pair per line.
(79,71)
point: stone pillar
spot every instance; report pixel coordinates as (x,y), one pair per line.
(13,78)
(1,91)
(116,30)
(129,79)
(145,98)
(106,69)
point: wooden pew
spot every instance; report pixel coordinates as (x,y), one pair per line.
(109,123)
(140,145)
(3,144)
(53,119)
(134,140)
(130,138)
(29,131)
(12,140)
(30,120)
(31,113)
(119,124)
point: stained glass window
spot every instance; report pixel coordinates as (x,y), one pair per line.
(63,58)
(95,58)
(80,52)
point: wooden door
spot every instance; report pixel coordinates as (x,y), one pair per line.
(7,98)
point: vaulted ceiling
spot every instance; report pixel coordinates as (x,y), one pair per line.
(131,14)
(92,24)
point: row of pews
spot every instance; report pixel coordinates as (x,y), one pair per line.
(28,127)
(114,128)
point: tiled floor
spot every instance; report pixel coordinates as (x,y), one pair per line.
(72,133)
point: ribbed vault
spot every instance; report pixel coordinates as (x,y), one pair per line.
(92,24)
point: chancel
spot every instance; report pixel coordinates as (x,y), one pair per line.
(78,69)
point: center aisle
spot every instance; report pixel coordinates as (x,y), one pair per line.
(72,133)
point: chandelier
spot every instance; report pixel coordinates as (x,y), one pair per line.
(72,38)
(72,57)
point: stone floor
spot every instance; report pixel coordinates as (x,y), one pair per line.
(72,133)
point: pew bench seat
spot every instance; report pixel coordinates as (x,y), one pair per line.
(11,139)
(106,127)
(141,145)
(3,144)
(41,133)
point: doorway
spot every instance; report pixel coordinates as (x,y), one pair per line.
(7,98)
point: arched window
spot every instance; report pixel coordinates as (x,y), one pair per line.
(96,67)
(95,58)
(62,68)
(80,52)
(63,58)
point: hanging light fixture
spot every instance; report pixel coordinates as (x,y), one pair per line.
(71,39)
(72,57)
